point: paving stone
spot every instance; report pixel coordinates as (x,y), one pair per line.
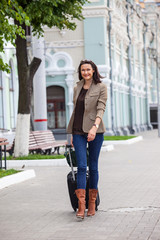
(129,187)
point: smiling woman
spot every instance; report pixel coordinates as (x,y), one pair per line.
(86,126)
(87,74)
(91,68)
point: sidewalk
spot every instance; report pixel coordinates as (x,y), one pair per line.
(129,185)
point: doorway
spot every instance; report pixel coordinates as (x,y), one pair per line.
(56,112)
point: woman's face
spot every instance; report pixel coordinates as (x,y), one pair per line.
(87,72)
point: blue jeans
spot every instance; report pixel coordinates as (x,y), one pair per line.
(80,145)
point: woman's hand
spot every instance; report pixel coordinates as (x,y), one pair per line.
(92,134)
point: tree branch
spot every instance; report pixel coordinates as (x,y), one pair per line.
(34,65)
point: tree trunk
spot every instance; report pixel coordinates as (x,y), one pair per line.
(26,73)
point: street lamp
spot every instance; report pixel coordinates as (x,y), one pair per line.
(153,54)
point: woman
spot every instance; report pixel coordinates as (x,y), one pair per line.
(86,126)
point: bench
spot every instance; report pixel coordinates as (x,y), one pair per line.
(40,142)
(9,148)
(33,146)
(46,141)
(3,144)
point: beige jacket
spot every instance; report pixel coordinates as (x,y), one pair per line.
(95,104)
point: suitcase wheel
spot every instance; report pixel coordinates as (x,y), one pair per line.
(96,208)
(75,209)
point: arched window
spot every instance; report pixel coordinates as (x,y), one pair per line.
(11,96)
(1,103)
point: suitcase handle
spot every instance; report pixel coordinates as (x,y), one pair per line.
(70,159)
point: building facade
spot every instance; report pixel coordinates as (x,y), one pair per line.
(117,36)
(8,91)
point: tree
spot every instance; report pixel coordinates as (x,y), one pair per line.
(10,10)
(59,13)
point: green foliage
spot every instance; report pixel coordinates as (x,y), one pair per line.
(114,138)
(9,11)
(59,13)
(4,173)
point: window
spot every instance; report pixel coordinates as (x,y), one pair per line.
(56,112)
(11,96)
(1,103)
(11,79)
(0,79)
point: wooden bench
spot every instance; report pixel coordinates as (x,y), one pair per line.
(46,141)
(33,146)
(42,142)
(9,148)
(3,144)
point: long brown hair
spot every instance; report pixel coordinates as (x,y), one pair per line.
(96,75)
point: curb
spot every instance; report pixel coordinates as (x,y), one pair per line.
(36,163)
(127,142)
(107,148)
(16,178)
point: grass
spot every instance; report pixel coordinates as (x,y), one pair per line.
(115,138)
(36,156)
(4,173)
